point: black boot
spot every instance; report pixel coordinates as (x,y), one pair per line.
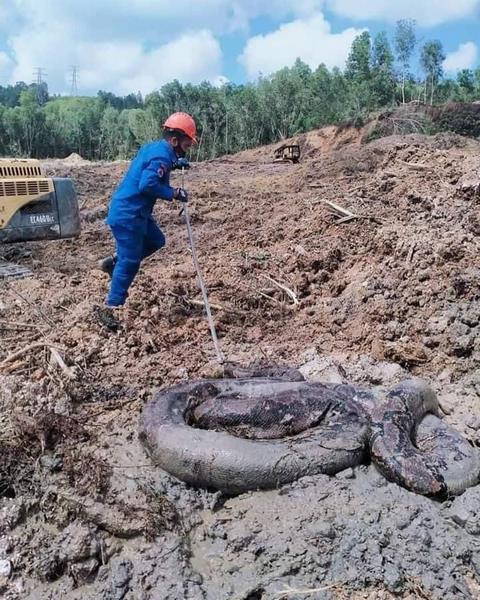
(108,264)
(106,316)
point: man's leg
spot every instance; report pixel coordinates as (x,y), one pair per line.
(130,249)
(154,239)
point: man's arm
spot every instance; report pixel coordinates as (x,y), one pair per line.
(151,183)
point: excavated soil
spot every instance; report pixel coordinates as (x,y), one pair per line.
(391,293)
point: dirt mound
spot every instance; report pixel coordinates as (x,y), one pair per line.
(392,292)
(75,159)
(315,142)
(461,118)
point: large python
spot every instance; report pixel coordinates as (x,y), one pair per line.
(251,433)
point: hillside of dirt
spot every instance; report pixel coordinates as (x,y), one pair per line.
(391,292)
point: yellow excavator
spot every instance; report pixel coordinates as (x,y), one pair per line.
(34,207)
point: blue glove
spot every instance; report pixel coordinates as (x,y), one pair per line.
(181,195)
(182,163)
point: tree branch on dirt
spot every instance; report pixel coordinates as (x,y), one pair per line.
(13,325)
(342,214)
(289,591)
(35,308)
(26,350)
(287,290)
(201,303)
(57,359)
(415,166)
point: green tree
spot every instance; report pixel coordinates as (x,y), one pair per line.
(10,95)
(405,42)
(31,120)
(466,83)
(383,77)
(326,102)
(431,60)
(109,134)
(382,56)
(358,61)
(476,75)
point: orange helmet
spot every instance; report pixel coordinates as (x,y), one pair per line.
(183,123)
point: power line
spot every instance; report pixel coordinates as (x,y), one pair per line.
(74,80)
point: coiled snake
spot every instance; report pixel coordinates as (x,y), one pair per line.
(251,433)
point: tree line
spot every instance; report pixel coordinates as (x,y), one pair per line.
(378,76)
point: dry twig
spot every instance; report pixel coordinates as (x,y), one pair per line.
(14,325)
(24,351)
(343,215)
(415,166)
(410,252)
(201,303)
(32,305)
(250,288)
(57,358)
(287,290)
(215,306)
(289,591)
(19,364)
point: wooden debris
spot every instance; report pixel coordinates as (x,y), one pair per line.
(23,351)
(201,303)
(289,591)
(415,166)
(36,308)
(342,214)
(56,358)
(410,252)
(14,325)
(250,288)
(14,366)
(214,306)
(287,290)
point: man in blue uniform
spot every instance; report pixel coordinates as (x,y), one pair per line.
(136,233)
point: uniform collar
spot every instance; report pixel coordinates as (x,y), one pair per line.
(171,152)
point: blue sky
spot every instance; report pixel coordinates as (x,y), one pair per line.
(138,45)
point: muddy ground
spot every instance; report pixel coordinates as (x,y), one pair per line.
(391,293)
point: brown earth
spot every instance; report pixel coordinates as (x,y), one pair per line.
(397,286)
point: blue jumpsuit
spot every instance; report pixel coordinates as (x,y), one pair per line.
(130,214)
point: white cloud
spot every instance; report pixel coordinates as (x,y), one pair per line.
(425,12)
(190,58)
(5,62)
(122,67)
(143,43)
(122,43)
(220,81)
(310,39)
(114,62)
(464,57)
(155,19)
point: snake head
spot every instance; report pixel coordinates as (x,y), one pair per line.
(418,396)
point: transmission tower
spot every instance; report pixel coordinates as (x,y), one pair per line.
(39,75)
(74,89)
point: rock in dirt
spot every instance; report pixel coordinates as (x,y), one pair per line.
(5,569)
(121,573)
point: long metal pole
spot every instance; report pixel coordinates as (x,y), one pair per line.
(203,288)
